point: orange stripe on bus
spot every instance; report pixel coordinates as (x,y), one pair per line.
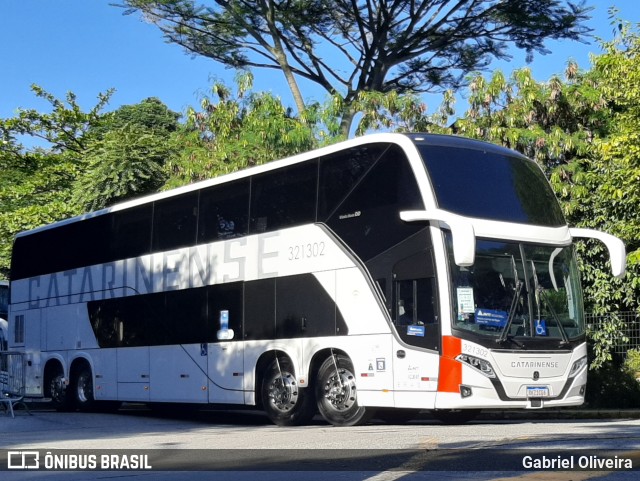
(450,376)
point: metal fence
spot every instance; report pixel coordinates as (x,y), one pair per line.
(12,377)
(629,333)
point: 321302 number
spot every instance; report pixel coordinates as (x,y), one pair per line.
(306,251)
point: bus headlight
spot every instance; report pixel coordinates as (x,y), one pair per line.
(577,366)
(480,364)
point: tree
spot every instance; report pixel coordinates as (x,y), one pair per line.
(64,129)
(125,163)
(382,46)
(126,155)
(235,130)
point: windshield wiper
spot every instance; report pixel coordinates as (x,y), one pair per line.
(541,292)
(504,335)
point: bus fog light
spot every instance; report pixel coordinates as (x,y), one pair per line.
(481,365)
(465,391)
(577,366)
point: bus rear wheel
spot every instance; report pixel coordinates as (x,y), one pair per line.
(83,390)
(337,394)
(60,396)
(284,402)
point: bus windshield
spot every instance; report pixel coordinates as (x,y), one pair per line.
(489,184)
(517,290)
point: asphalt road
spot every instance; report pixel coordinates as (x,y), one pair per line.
(244,445)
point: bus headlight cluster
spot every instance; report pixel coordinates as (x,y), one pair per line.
(480,364)
(577,366)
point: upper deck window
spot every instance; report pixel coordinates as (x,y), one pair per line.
(491,185)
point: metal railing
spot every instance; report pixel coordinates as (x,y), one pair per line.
(628,336)
(12,377)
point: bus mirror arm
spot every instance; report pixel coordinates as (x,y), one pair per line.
(464,238)
(615,246)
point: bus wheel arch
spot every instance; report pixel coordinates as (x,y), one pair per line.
(336,392)
(282,399)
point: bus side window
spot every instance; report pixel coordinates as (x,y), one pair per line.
(415,312)
(130,232)
(174,222)
(224,211)
(415,303)
(284,198)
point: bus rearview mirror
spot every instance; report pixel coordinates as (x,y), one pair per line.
(617,251)
(464,238)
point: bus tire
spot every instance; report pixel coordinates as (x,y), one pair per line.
(83,389)
(283,400)
(336,393)
(60,396)
(455,416)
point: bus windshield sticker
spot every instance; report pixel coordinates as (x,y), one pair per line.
(466,303)
(491,317)
(415,331)
(541,327)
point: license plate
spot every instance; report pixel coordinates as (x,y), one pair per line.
(537,391)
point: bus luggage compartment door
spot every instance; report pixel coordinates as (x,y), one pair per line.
(226,372)
(133,374)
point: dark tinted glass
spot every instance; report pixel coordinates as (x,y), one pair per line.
(183,320)
(131,232)
(339,173)
(368,219)
(176,317)
(260,309)
(284,198)
(490,185)
(174,222)
(224,211)
(66,247)
(415,316)
(303,308)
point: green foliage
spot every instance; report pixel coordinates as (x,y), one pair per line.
(63,129)
(632,362)
(604,338)
(232,131)
(127,155)
(124,163)
(150,115)
(612,387)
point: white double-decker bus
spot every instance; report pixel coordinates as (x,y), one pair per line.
(389,274)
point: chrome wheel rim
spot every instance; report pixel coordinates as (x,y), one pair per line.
(340,390)
(84,388)
(282,391)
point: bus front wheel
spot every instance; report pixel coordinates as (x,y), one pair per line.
(284,402)
(337,394)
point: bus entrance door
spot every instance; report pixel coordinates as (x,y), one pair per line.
(416,320)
